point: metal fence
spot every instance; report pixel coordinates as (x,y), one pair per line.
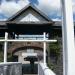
(11,68)
(44,70)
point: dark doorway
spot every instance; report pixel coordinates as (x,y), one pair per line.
(31,68)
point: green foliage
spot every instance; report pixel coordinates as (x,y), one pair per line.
(51,66)
(9,58)
(1,52)
(1,56)
(54,49)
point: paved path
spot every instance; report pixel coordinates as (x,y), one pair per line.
(30,74)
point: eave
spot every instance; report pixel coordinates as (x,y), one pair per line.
(30,23)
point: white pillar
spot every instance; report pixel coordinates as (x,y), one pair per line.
(44,48)
(68,38)
(5,47)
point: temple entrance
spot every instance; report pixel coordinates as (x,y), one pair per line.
(28,38)
(29,59)
(24,17)
(30,52)
(32,67)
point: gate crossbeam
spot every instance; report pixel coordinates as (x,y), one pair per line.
(12,40)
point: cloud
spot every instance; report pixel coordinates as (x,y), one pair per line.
(9,8)
(0,11)
(49,7)
(2,17)
(34,1)
(56,19)
(53,8)
(23,3)
(73,6)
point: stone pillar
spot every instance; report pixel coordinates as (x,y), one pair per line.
(44,48)
(68,38)
(5,47)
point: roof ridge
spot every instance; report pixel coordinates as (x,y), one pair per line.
(25,8)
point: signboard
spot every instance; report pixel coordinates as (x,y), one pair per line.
(29,54)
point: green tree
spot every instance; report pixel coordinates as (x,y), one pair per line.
(54,50)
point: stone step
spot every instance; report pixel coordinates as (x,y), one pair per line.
(30,74)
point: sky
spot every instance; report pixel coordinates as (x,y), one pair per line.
(52,8)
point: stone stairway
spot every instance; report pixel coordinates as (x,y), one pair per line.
(30,74)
